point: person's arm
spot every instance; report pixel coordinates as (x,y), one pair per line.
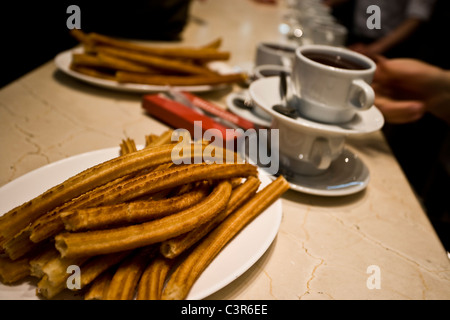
(407,88)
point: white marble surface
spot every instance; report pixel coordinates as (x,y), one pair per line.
(324,246)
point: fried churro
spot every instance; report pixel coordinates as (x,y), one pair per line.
(153,278)
(18,218)
(124,282)
(156,181)
(182,280)
(129,213)
(172,248)
(135,236)
(95,266)
(165,80)
(13,271)
(97,290)
(206,53)
(105,61)
(127,146)
(160,63)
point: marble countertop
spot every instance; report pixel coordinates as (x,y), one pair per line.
(326,248)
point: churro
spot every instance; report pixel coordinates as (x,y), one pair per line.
(105,61)
(124,282)
(95,266)
(129,213)
(13,271)
(182,280)
(127,146)
(18,218)
(156,181)
(206,53)
(38,262)
(166,80)
(15,220)
(160,63)
(97,290)
(94,72)
(172,248)
(153,278)
(135,236)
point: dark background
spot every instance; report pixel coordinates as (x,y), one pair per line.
(34,32)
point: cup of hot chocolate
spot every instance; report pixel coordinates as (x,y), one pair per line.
(331,83)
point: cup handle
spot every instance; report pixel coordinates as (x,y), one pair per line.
(362,96)
(320,154)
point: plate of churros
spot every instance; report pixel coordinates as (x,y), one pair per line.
(129,223)
(135,67)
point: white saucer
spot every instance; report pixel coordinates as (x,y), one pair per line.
(246,114)
(265,94)
(347,175)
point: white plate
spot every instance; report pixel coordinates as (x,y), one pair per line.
(64,59)
(347,175)
(236,258)
(265,93)
(246,114)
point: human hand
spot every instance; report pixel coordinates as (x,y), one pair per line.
(407,88)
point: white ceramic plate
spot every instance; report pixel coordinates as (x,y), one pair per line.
(265,93)
(347,175)
(236,258)
(64,59)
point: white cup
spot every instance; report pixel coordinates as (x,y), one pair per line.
(270,70)
(332,94)
(272,53)
(305,151)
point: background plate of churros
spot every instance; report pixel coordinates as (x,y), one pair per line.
(135,67)
(236,255)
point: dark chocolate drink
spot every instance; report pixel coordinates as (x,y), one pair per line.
(336,61)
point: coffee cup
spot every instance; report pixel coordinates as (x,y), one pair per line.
(331,83)
(270,70)
(305,151)
(272,53)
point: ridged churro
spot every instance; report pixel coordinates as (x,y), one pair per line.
(38,263)
(206,53)
(95,266)
(104,61)
(152,281)
(13,271)
(127,146)
(124,283)
(50,224)
(156,181)
(172,248)
(160,63)
(135,236)
(97,290)
(182,280)
(129,213)
(20,217)
(173,80)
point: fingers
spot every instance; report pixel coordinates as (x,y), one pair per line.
(400,112)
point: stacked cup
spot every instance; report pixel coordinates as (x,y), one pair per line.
(331,85)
